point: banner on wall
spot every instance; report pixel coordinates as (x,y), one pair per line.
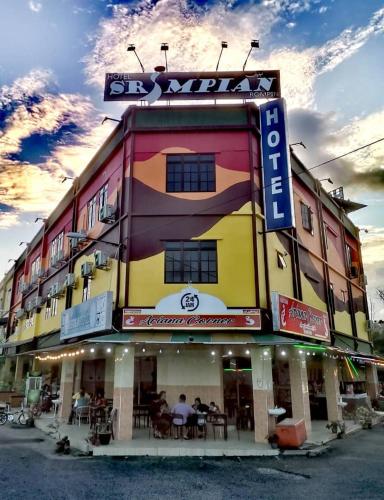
(192,310)
(151,87)
(292,316)
(276,167)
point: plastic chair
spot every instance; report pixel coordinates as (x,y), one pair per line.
(179,425)
(82,412)
(219,421)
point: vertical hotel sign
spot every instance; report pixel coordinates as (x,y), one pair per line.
(277,180)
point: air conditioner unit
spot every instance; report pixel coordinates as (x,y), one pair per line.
(107,214)
(74,242)
(20,313)
(86,269)
(70,280)
(37,302)
(370,325)
(23,286)
(29,306)
(56,290)
(41,273)
(101,260)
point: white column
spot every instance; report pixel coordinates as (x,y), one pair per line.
(299,388)
(372,381)
(66,387)
(18,380)
(123,391)
(262,380)
(332,389)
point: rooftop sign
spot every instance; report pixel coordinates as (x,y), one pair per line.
(150,87)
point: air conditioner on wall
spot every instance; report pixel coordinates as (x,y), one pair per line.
(363,280)
(29,306)
(37,302)
(20,313)
(86,269)
(70,280)
(56,290)
(107,214)
(101,260)
(23,286)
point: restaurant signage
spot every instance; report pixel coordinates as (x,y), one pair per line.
(277,178)
(293,316)
(151,87)
(191,310)
(93,315)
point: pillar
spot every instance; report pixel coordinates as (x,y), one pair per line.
(77,376)
(36,365)
(66,387)
(332,389)
(109,375)
(372,381)
(18,380)
(299,388)
(123,391)
(263,399)
(6,374)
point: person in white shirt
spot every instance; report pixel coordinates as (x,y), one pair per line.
(185,411)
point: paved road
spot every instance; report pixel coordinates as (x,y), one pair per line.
(352,469)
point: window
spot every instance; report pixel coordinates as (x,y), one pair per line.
(35,269)
(51,307)
(190,173)
(344,296)
(92,206)
(281,263)
(86,288)
(20,285)
(57,248)
(307,217)
(190,261)
(103,200)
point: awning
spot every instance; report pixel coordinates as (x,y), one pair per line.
(192,338)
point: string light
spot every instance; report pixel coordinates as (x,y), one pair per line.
(247,352)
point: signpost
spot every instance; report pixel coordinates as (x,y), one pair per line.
(277,180)
(293,316)
(151,87)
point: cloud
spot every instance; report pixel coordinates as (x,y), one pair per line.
(195,35)
(323,9)
(35,6)
(291,25)
(8,219)
(31,108)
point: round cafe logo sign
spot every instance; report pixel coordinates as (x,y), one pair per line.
(189,301)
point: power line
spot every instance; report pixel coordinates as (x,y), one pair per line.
(345,154)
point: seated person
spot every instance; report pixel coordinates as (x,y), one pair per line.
(99,399)
(201,410)
(81,399)
(185,411)
(213,408)
(159,413)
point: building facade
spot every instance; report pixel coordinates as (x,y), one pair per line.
(155,272)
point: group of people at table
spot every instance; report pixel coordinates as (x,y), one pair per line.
(181,415)
(83,400)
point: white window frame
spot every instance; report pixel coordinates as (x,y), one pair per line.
(56,246)
(103,198)
(92,211)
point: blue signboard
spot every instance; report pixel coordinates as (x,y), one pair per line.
(277,181)
(93,315)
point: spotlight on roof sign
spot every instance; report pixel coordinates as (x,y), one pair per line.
(151,87)
(277,177)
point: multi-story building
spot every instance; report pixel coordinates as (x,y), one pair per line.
(155,272)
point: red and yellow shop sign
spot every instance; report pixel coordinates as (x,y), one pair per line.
(147,319)
(293,316)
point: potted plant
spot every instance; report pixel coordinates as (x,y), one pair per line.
(337,427)
(364,417)
(104,432)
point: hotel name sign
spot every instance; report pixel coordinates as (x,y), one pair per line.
(190,309)
(151,87)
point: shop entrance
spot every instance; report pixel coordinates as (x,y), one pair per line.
(145,380)
(316,387)
(93,376)
(238,392)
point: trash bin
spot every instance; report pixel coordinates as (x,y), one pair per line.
(291,433)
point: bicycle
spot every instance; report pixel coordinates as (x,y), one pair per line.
(8,416)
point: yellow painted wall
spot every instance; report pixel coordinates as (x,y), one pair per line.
(343,322)
(235,285)
(310,297)
(280,279)
(361,326)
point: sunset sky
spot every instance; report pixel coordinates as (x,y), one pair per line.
(55,54)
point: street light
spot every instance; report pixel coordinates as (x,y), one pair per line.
(254,45)
(81,236)
(66,178)
(301,143)
(224,45)
(132,48)
(23,243)
(108,118)
(164,47)
(328,179)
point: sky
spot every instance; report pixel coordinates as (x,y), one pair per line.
(55,54)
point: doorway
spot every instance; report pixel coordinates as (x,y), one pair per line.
(238,392)
(145,380)
(93,376)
